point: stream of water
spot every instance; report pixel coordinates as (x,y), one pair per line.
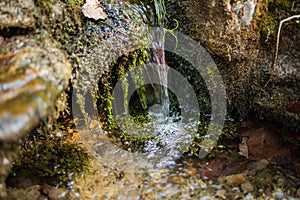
(167,135)
(162,69)
(156,169)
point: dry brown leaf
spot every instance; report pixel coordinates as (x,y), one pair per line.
(265,143)
(293,107)
(92,9)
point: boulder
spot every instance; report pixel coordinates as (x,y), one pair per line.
(232,31)
(33,72)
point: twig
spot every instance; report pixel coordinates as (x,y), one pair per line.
(278,36)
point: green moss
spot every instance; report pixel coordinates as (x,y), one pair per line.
(74,2)
(45,5)
(119,70)
(276,11)
(51,157)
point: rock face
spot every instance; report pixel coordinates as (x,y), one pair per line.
(31,78)
(32,74)
(280,100)
(19,13)
(230,30)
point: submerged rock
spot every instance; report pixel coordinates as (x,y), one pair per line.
(33,72)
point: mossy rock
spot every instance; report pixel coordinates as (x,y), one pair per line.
(52,156)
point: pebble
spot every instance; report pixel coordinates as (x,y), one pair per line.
(247,186)
(235,179)
(207,198)
(221,194)
(249,197)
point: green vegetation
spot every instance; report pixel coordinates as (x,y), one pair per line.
(276,11)
(70,27)
(118,71)
(52,156)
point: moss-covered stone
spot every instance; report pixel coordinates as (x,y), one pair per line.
(52,155)
(275,11)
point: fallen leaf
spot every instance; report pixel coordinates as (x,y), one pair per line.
(293,107)
(212,169)
(92,9)
(265,143)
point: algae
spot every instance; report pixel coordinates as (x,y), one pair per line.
(52,155)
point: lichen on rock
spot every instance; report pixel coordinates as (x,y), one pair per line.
(18,13)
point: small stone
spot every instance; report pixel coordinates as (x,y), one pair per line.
(5,161)
(201,184)
(249,197)
(247,186)
(235,179)
(279,195)
(257,166)
(207,198)
(221,194)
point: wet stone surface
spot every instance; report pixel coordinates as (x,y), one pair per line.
(31,77)
(231,30)
(33,72)
(115,173)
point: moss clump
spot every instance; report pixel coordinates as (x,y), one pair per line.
(108,81)
(74,2)
(46,6)
(276,11)
(52,156)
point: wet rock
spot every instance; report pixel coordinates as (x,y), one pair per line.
(18,13)
(265,143)
(231,31)
(212,169)
(228,28)
(257,166)
(31,78)
(293,107)
(232,37)
(33,72)
(53,192)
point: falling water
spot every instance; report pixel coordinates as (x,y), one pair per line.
(165,137)
(157,44)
